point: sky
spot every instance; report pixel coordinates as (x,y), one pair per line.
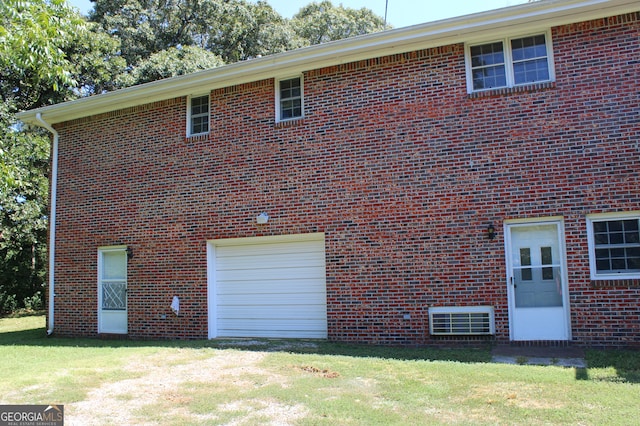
(400,13)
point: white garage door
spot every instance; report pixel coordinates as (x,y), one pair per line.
(268,287)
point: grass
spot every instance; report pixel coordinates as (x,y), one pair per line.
(304,383)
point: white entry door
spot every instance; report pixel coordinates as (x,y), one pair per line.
(112,290)
(537,287)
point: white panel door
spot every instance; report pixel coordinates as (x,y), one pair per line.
(537,287)
(112,290)
(268,287)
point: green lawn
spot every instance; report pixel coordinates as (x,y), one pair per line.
(248,382)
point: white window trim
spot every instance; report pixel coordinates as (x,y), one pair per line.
(592,252)
(189,132)
(278,109)
(509,60)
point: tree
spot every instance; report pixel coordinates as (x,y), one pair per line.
(34,71)
(23,222)
(233,29)
(246,30)
(33,37)
(322,22)
(170,63)
(95,61)
(23,215)
(144,27)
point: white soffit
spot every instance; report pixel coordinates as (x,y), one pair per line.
(485,25)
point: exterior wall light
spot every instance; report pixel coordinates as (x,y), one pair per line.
(129,253)
(491,231)
(262,218)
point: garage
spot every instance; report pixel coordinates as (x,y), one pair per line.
(267,287)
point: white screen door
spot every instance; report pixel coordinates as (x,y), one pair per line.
(112,290)
(537,288)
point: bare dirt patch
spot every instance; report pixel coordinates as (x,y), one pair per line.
(160,381)
(318,372)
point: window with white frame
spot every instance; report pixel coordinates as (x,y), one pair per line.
(614,246)
(509,62)
(198,114)
(289,99)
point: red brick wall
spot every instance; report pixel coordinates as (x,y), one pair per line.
(397,165)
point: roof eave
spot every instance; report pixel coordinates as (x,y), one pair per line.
(521,18)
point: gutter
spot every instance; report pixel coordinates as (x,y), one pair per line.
(52,218)
(519,19)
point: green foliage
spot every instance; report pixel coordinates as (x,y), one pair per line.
(95,61)
(35,72)
(170,63)
(33,37)
(23,204)
(144,27)
(232,29)
(235,30)
(8,303)
(34,303)
(246,30)
(37,39)
(322,22)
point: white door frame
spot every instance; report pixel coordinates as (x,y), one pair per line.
(565,332)
(112,322)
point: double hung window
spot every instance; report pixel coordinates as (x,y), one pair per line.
(614,246)
(289,99)
(198,121)
(509,62)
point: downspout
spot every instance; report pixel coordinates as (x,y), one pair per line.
(52,219)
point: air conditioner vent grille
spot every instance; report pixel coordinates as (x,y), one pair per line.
(461,320)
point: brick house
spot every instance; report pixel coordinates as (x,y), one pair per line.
(475,178)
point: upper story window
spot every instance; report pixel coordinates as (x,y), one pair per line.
(509,62)
(198,115)
(289,100)
(614,246)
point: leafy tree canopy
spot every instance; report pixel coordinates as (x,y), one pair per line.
(35,70)
(23,204)
(170,63)
(34,35)
(235,30)
(322,22)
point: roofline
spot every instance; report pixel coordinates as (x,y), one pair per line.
(521,18)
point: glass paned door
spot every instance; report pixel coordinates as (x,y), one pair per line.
(536,283)
(112,290)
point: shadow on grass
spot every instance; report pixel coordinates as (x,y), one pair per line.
(625,363)
(38,337)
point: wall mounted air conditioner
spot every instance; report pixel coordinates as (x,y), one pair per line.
(461,320)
